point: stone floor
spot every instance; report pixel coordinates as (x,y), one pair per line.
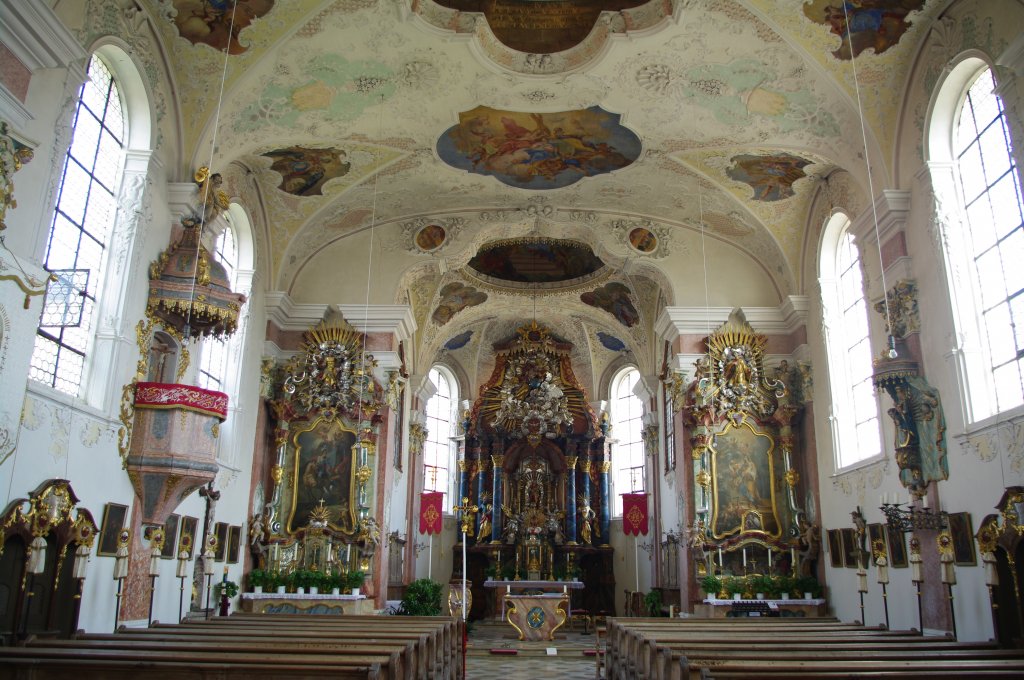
(532,661)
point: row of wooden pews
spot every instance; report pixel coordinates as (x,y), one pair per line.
(723,649)
(252,646)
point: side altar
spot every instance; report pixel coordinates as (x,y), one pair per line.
(535,459)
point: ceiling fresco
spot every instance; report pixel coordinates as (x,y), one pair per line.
(638,128)
(538,150)
(536,260)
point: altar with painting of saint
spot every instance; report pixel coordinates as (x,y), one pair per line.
(536,462)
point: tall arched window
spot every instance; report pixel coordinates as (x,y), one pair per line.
(994,220)
(76,249)
(437,449)
(213,363)
(855,426)
(627,412)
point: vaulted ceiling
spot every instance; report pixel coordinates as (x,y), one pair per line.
(663,135)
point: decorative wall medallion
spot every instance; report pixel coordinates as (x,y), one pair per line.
(459,341)
(771,177)
(430,237)
(304,170)
(614,298)
(536,260)
(863,24)
(535,617)
(538,151)
(455,297)
(643,240)
(217,23)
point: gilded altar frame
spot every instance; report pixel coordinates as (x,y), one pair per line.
(743,482)
(326,457)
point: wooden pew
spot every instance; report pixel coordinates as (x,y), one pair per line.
(86,663)
(865,668)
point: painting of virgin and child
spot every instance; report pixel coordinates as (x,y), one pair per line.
(324,471)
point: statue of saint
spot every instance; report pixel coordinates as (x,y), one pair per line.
(588,530)
(484,534)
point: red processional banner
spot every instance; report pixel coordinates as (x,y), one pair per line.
(634,513)
(431,507)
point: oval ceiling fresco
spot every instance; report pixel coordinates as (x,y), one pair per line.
(536,260)
(539,150)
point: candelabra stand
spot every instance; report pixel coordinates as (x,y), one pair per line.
(988,558)
(862,586)
(946,558)
(120,569)
(917,578)
(878,548)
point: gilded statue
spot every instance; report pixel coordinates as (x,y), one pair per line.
(588,528)
(484,533)
(211,199)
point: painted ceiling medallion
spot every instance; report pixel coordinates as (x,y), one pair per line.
(539,150)
(430,237)
(863,24)
(540,27)
(536,260)
(643,240)
(771,177)
(217,23)
(304,170)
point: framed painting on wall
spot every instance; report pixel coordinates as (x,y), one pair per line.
(897,548)
(220,530)
(189,526)
(114,515)
(961,531)
(170,537)
(743,482)
(324,470)
(876,532)
(835,548)
(851,549)
(234,541)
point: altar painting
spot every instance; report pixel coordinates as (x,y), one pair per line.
(324,471)
(743,474)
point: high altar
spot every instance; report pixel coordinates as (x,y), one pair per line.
(536,461)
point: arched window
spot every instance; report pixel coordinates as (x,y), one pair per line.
(437,449)
(627,412)
(213,363)
(76,248)
(993,243)
(856,430)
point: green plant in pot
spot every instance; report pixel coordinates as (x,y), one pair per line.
(652,602)
(273,580)
(808,584)
(712,585)
(491,571)
(355,579)
(257,578)
(762,584)
(735,585)
(422,598)
(229,588)
(508,571)
(785,585)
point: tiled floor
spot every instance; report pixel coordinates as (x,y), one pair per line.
(532,661)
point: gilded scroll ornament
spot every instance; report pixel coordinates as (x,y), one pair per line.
(901,304)
(12,156)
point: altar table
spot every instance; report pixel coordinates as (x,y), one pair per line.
(716,609)
(544,586)
(537,617)
(292,603)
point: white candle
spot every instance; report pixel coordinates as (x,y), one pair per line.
(769,559)
(744,558)
(720,562)
(924,501)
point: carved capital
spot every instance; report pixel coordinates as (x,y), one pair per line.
(605,466)
(498,461)
(570,462)
(585,467)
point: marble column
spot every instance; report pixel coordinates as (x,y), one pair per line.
(605,515)
(463,480)
(497,460)
(570,501)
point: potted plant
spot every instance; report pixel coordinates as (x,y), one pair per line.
(809,586)
(313,581)
(333,581)
(735,586)
(712,585)
(257,580)
(296,581)
(354,580)
(652,602)
(422,598)
(762,584)
(275,582)
(784,584)
(490,572)
(229,588)
(508,571)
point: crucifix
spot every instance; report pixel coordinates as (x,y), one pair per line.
(467,511)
